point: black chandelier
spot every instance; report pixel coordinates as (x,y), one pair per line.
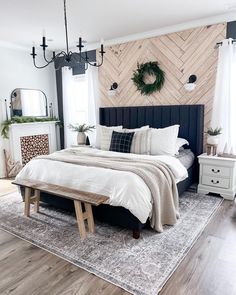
(68,56)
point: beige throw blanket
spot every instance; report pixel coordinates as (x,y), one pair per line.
(156,175)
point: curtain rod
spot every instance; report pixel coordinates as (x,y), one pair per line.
(221,43)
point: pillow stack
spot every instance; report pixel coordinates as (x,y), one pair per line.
(144,140)
(163,140)
(141,140)
(103,136)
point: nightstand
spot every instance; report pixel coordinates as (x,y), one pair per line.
(217,175)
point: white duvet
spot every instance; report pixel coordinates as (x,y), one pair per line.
(124,189)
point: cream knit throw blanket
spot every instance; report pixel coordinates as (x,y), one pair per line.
(156,175)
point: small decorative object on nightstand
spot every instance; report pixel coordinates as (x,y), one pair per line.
(217,175)
(211,149)
(212,140)
(81,132)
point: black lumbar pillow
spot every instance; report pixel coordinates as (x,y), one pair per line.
(121,142)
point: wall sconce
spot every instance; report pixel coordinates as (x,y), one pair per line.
(112,91)
(190,85)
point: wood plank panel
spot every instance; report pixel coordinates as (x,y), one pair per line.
(179,54)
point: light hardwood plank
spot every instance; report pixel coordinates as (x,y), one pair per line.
(179,54)
(208,269)
(6,187)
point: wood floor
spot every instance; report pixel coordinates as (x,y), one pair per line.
(6,187)
(208,269)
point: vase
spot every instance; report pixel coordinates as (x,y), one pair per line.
(214,139)
(81,138)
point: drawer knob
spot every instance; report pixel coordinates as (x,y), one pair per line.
(215,182)
(215,171)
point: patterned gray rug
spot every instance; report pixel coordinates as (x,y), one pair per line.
(139,266)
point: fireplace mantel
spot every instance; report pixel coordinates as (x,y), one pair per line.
(31,139)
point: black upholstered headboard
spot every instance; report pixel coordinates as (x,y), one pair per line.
(189,117)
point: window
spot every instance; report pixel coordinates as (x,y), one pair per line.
(80,101)
(79,110)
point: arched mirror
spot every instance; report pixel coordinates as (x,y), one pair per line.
(28,102)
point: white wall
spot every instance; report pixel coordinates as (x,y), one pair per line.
(17,71)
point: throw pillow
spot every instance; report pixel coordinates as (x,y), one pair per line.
(121,142)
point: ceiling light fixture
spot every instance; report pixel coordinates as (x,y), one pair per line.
(67,56)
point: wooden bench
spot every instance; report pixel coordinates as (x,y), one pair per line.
(77,196)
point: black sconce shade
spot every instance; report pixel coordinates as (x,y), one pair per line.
(114,86)
(192,79)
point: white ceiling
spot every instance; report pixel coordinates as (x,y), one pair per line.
(22,22)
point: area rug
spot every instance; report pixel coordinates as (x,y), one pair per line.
(141,266)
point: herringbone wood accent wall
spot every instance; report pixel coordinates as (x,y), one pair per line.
(179,54)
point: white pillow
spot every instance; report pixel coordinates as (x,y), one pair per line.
(141,140)
(163,140)
(136,129)
(179,143)
(103,136)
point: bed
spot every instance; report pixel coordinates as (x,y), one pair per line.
(190,119)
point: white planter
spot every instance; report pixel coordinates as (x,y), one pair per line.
(81,138)
(213,139)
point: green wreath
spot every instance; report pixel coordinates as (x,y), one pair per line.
(149,68)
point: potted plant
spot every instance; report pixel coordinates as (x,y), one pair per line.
(213,135)
(81,129)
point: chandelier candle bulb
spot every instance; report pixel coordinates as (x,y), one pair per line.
(80,44)
(102,50)
(33,51)
(44,45)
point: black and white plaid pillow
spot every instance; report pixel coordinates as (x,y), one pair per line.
(121,142)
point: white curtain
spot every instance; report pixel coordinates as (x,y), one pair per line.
(224,104)
(72,97)
(68,102)
(93,100)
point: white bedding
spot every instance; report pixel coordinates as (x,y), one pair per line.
(124,189)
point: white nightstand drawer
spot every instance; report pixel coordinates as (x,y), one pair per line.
(216,170)
(215,181)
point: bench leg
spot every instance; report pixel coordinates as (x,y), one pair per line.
(36,202)
(27,201)
(88,210)
(80,219)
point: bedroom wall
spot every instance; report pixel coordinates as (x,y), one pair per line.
(17,70)
(180,55)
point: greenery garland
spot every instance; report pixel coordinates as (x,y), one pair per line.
(149,68)
(22,119)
